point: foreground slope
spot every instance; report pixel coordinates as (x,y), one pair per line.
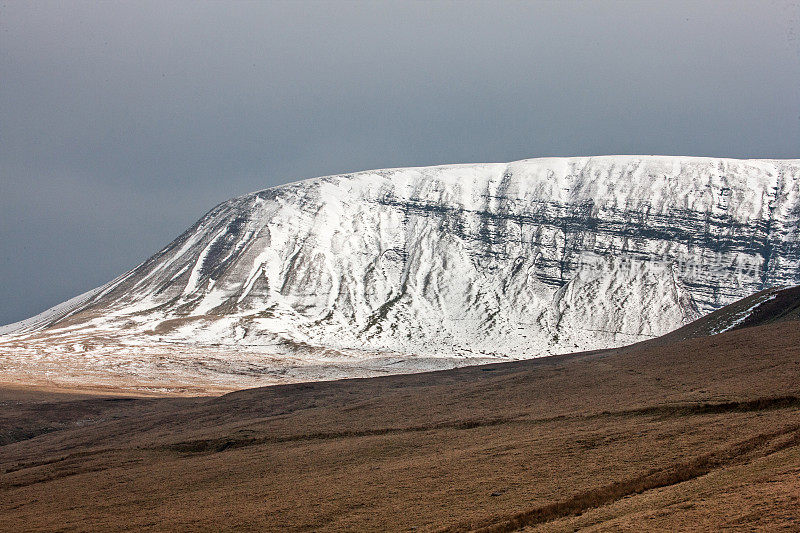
(422,268)
(694,434)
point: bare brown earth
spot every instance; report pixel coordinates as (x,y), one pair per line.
(698,434)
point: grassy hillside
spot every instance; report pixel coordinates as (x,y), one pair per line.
(702,433)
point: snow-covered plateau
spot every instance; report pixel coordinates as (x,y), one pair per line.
(413,269)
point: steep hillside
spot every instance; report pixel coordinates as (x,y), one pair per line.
(421,268)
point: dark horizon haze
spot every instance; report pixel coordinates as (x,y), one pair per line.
(122,123)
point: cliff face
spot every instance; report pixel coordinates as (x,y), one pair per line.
(513,260)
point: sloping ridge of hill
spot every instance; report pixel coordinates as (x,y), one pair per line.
(776,304)
(699,433)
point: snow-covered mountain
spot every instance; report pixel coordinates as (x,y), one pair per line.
(478,261)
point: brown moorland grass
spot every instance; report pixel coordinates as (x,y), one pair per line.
(700,434)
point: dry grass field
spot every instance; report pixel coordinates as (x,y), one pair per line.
(698,434)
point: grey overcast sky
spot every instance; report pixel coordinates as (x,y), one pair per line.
(122,123)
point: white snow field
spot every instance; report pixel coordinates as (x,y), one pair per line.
(414,269)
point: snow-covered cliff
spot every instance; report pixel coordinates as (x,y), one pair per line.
(499,260)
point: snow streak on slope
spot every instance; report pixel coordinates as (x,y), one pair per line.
(497,260)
